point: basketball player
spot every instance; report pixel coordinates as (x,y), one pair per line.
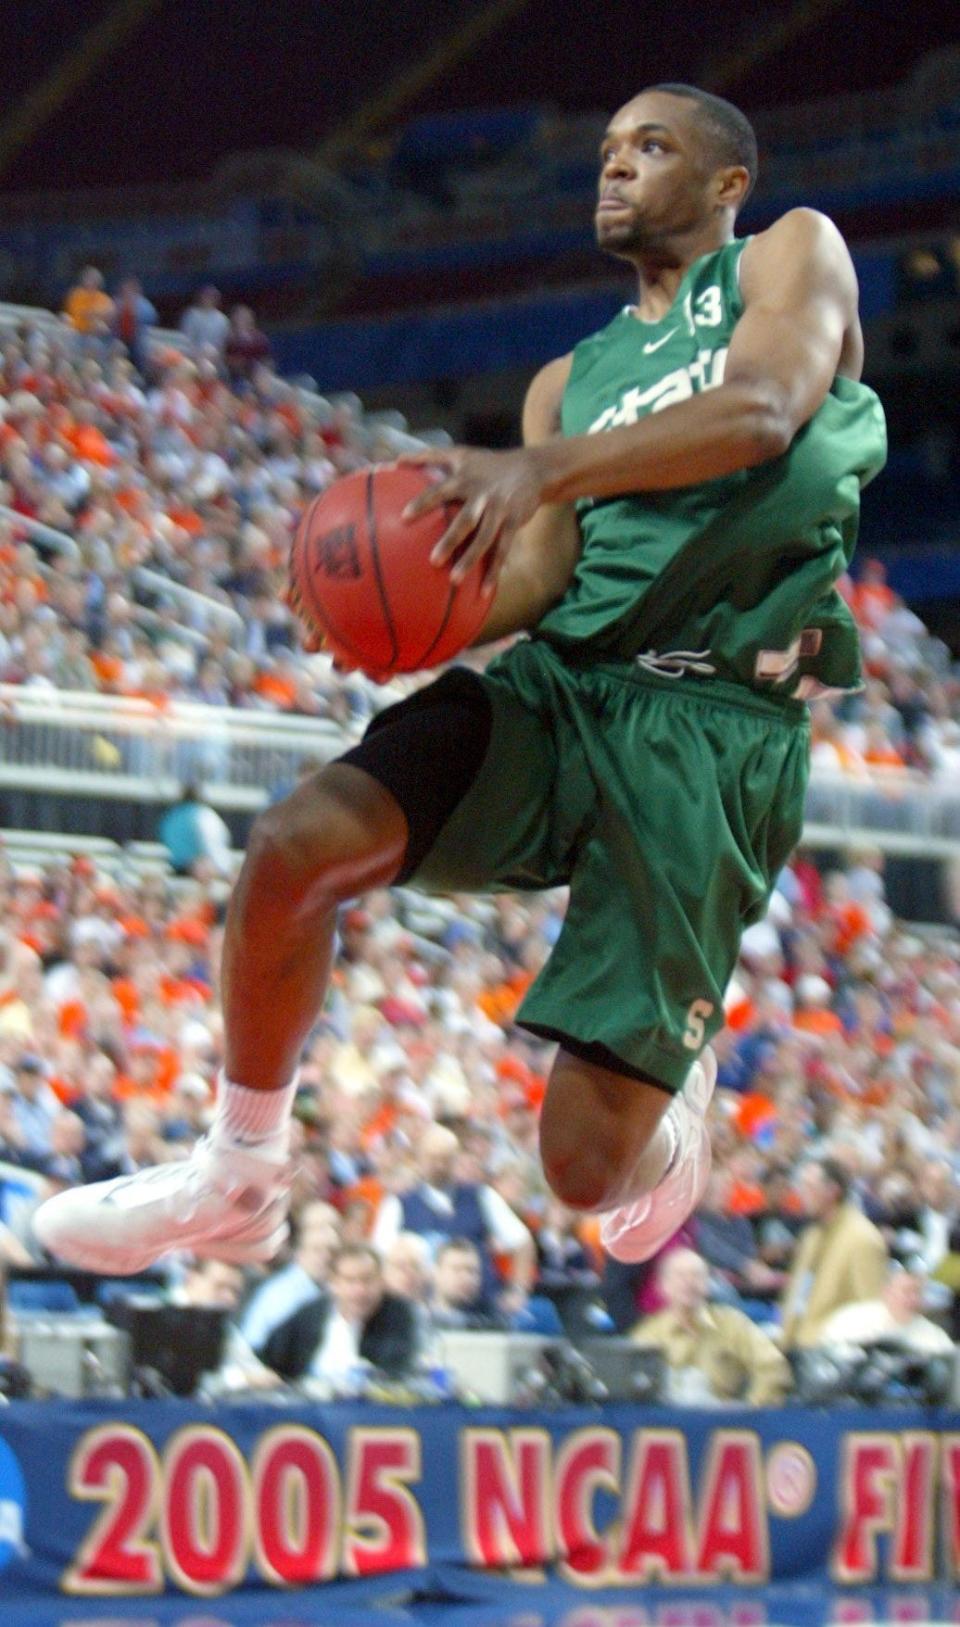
(670,532)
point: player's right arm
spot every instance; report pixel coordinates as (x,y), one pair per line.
(544,553)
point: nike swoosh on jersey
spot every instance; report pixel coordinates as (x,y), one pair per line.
(654,344)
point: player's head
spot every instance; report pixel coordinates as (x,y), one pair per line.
(675,164)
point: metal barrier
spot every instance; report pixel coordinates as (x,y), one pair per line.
(44,535)
(68,741)
(198,606)
(71,742)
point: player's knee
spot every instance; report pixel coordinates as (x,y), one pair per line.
(581,1176)
(321,845)
(578,1182)
(595,1126)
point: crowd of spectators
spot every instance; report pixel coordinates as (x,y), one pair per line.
(417,1178)
(195,460)
(836,1128)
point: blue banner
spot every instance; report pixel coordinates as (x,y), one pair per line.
(103,1501)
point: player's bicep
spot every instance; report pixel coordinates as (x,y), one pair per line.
(546,550)
(544,553)
(800,299)
(541,407)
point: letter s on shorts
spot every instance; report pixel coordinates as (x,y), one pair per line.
(694,1034)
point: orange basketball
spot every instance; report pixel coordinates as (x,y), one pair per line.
(361,577)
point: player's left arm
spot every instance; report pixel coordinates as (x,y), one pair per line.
(800,301)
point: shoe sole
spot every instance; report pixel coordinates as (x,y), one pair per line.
(233,1250)
(620,1249)
(698,1102)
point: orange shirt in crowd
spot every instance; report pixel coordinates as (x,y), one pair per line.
(278,690)
(753,1111)
(872,602)
(86,309)
(90,444)
(127,996)
(500,1003)
(108,668)
(851,922)
(166,1069)
(746,1198)
(818,1020)
(369,1191)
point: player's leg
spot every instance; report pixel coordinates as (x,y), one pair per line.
(601,1133)
(699,804)
(359,823)
(339,834)
(624,1146)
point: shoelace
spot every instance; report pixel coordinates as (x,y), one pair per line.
(674,663)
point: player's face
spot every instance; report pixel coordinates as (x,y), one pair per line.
(653,184)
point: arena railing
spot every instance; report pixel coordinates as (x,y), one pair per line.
(72,742)
(56,542)
(202,612)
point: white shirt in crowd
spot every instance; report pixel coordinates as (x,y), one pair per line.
(870,1320)
(276,1300)
(339,1349)
(507,1231)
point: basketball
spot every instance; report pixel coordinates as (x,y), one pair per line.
(361,577)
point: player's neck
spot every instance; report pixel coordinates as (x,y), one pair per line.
(661,271)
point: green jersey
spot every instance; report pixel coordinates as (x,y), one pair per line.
(735,576)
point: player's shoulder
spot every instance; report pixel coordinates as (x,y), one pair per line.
(541,408)
(804,232)
(552,378)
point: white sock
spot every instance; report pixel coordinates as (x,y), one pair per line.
(256,1120)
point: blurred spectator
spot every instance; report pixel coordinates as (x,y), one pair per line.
(102,1118)
(408,1274)
(894,1317)
(357,1323)
(133,316)
(457,1300)
(843,1025)
(87,307)
(203,324)
(407,1269)
(64,1163)
(245,347)
(210,1284)
(714,1352)
(938,1213)
(216,1285)
(440,1207)
(316,1235)
(630,1291)
(780,1221)
(35,1107)
(561,1255)
(728,1244)
(840,1256)
(193,833)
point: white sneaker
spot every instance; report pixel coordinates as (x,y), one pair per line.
(636,1231)
(222,1202)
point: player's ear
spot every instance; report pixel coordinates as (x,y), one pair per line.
(731,184)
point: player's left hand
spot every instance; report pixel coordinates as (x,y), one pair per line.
(498,492)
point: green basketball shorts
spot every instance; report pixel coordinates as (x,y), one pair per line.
(668,805)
